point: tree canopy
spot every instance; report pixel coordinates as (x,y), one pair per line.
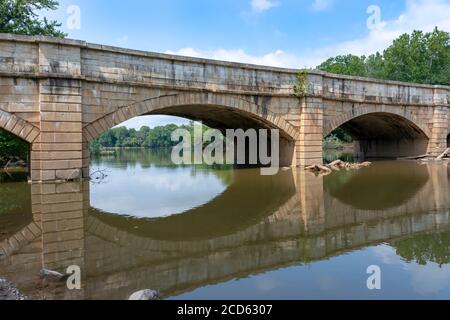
(418,57)
(122,137)
(11,147)
(426,248)
(21,17)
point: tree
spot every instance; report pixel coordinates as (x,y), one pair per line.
(350,65)
(424,249)
(11,147)
(20,17)
(419,57)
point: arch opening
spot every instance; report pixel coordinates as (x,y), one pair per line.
(14,157)
(224,118)
(448,141)
(386,136)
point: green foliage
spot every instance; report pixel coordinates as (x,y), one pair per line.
(350,65)
(95,148)
(426,248)
(121,137)
(301,84)
(337,139)
(342,135)
(332,142)
(11,147)
(21,17)
(419,58)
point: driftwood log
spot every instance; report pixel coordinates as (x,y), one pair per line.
(446,154)
(336,166)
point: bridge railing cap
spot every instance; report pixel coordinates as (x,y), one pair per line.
(84,44)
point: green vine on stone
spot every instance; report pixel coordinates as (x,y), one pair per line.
(301,84)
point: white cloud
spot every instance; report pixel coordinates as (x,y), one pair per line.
(321,5)
(152,121)
(427,280)
(419,15)
(277,58)
(263,5)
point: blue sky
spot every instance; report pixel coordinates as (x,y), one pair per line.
(283,33)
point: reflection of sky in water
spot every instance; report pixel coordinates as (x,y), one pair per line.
(161,191)
(426,281)
(341,277)
(155,191)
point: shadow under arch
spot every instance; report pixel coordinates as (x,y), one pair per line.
(244,203)
(383,134)
(186,105)
(18,127)
(402,115)
(216,110)
(381,187)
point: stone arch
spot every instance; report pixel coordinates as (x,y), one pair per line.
(19,127)
(338,121)
(160,105)
(10,245)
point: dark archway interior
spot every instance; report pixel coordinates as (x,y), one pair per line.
(382,126)
(379,187)
(448,141)
(14,156)
(220,117)
(385,135)
(223,118)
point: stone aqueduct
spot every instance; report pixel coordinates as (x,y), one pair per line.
(59,94)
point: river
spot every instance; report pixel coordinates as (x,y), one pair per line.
(199,232)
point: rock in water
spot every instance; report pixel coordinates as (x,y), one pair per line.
(145,295)
(9,292)
(51,275)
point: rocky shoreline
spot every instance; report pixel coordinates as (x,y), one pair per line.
(8,291)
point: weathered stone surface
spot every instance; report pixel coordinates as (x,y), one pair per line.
(59,94)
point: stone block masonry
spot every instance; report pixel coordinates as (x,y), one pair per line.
(60,94)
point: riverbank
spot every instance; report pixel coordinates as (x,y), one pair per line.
(8,291)
(343,147)
(12,163)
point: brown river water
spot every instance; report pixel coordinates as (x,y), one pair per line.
(197,232)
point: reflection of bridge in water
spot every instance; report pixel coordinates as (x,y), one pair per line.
(300,222)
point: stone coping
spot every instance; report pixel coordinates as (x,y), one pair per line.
(112,49)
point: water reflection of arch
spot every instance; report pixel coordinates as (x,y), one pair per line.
(423,189)
(214,219)
(390,185)
(303,229)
